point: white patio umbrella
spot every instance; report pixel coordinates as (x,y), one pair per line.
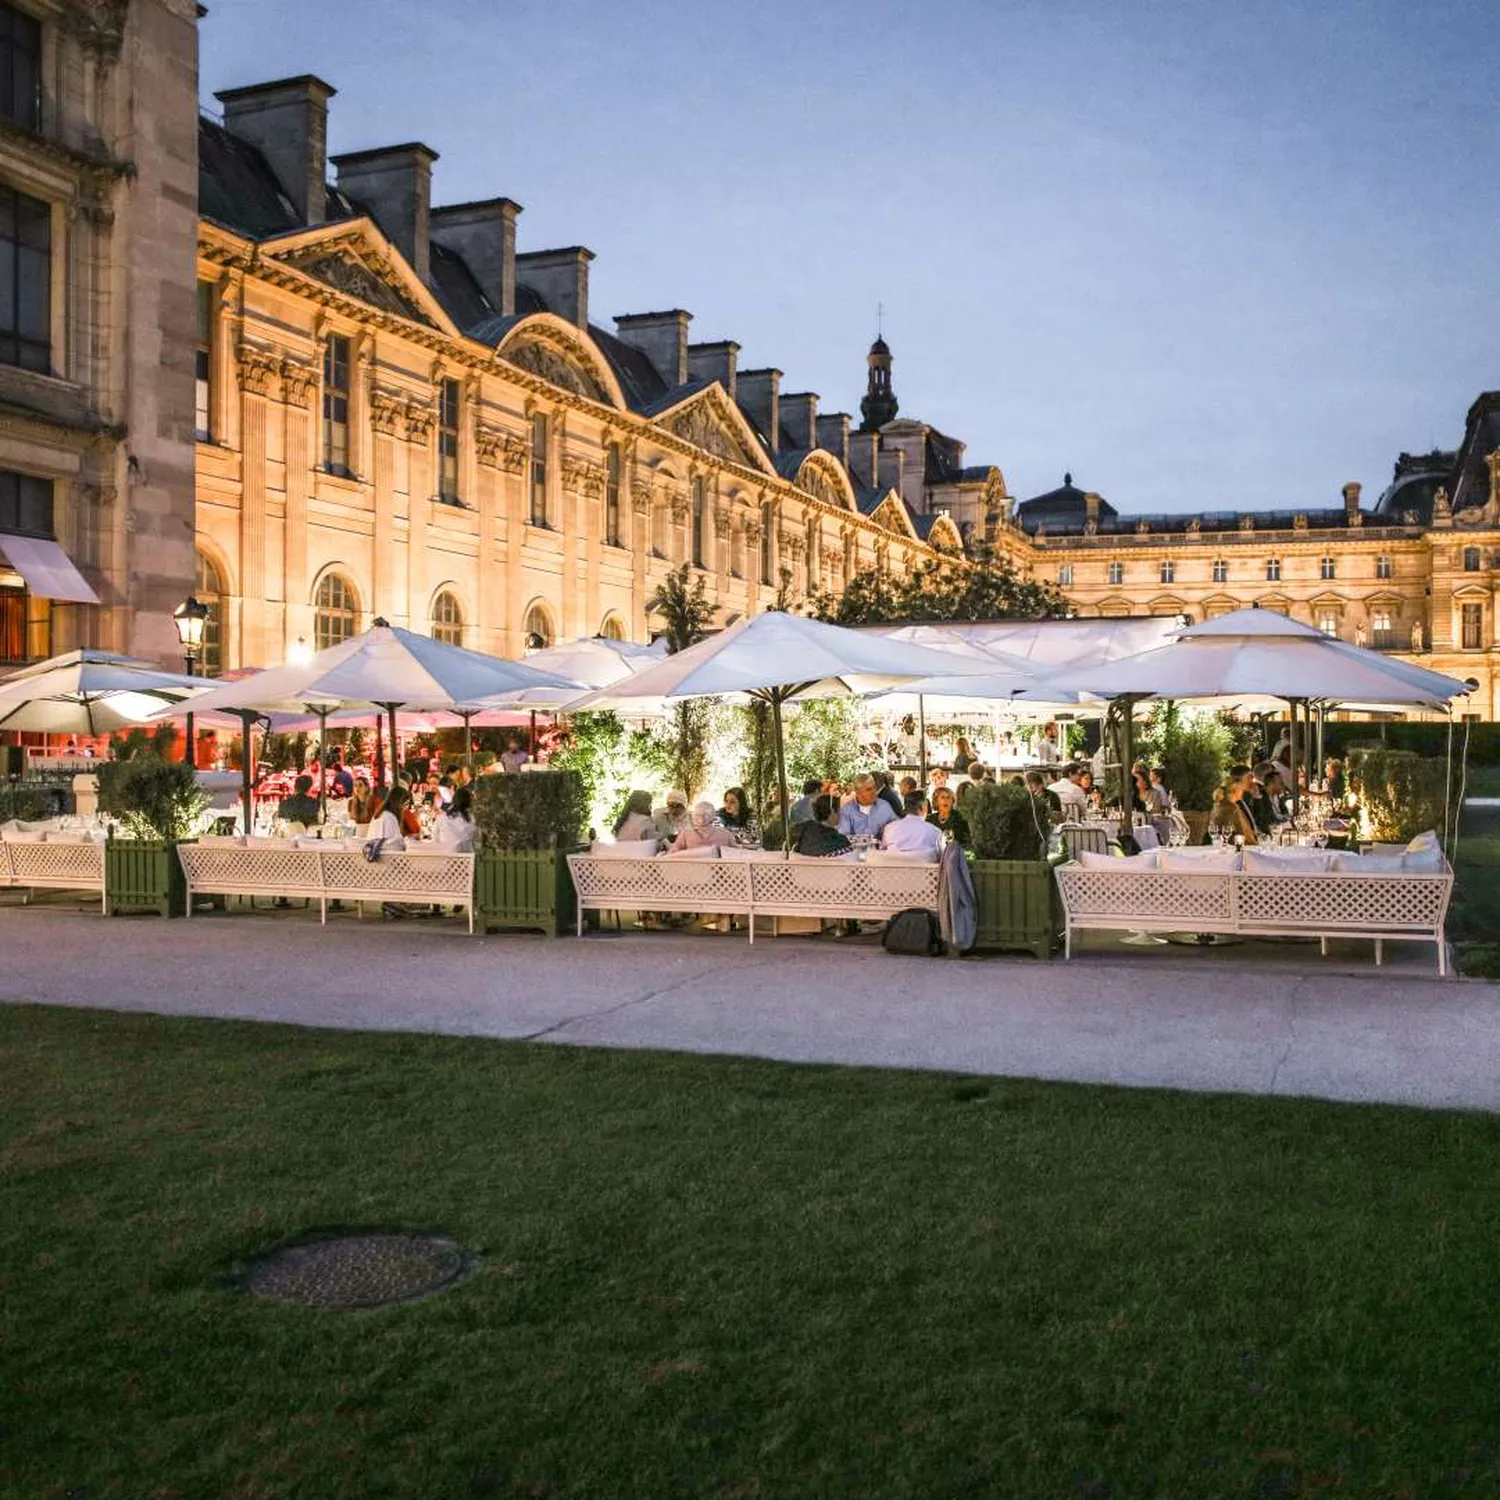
(384,669)
(776,657)
(1259,653)
(89,692)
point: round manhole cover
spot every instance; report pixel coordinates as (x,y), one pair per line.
(359,1270)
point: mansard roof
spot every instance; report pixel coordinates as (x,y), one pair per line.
(454,284)
(1062,509)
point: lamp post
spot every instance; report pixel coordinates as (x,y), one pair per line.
(189,618)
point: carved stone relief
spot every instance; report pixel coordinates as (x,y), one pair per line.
(704,429)
(548,362)
(355,279)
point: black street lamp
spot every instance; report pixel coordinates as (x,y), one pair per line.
(189,618)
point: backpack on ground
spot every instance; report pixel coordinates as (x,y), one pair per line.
(913,931)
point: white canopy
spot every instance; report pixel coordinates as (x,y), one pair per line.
(383,668)
(592,663)
(89,692)
(781,656)
(1255,652)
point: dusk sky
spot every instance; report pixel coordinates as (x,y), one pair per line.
(1203,256)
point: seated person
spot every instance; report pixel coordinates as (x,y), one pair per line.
(802,808)
(453,828)
(867,814)
(300,807)
(671,817)
(819,835)
(513,757)
(704,831)
(888,793)
(911,833)
(390,826)
(946,818)
(1036,784)
(977,773)
(1069,790)
(362,801)
(636,822)
(341,779)
(735,812)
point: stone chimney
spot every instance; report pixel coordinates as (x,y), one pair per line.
(484,234)
(799,420)
(1352,516)
(833,435)
(288,122)
(864,458)
(892,463)
(662,338)
(395,184)
(759,395)
(561,279)
(718,361)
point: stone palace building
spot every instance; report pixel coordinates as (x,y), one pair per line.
(358,402)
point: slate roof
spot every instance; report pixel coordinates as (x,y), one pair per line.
(454,286)
(639,379)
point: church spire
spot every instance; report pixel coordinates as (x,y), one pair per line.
(879,404)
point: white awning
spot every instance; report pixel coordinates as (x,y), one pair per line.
(47,569)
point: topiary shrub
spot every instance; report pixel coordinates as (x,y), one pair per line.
(152,798)
(536,810)
(1005,822)
(1402,794)
(1194,756)
(31,804)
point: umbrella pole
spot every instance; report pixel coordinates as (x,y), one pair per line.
(379,752)
(531,748)
(1291,755)
(1322,716)
(247,765)
(1127,757)
(468,745)
(783,804)
(322,765)
(395,750)
(922,744)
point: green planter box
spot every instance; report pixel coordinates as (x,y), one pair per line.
(523,888)
(1018,905)
(143,875)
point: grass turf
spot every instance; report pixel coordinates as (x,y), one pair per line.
(711,1277)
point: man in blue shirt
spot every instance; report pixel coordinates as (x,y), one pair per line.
(867,814)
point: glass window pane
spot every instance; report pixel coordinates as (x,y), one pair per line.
(34,294)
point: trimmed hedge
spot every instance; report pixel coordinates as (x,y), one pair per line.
(1004,822)
(1420,739)
(533,810)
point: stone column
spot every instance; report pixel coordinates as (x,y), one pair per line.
(299,384)
(388,572)
(420,426)
(639,542)
(260,383)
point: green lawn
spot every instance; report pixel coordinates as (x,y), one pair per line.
(709,1277)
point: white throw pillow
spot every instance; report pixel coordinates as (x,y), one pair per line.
(30,836)
(708,851)
(1424,842)
(1288,861)
(1200,861)
(631,849)
(1424,862)
(222,841)
(901,857)
(825,859)
(1369,864)
(1147,859)
(740,853)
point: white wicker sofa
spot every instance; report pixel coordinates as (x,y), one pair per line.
(1264,893)
(44,856)
(750,883)
(325,870)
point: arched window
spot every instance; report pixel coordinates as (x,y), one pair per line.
(447,619)
(210,591)
(335,611)
(613,628)
(537,628)
(700,520)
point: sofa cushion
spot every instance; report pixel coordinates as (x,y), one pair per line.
(739,853)
(1424,843)
(630,849)
(1200,861)
(1369,864)
(1288,861)
(707,851)
(1428,861)
(900,857)
(1147,859)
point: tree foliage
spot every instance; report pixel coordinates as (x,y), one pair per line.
(152,798)
(682,604)
(989,588)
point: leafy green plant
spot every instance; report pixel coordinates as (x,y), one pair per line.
(823,740)
(30,804)
(1401,793)
(537,810)
(1005,822)
(151,797)
(1194,755)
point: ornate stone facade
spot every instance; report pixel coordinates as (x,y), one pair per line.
(99,147)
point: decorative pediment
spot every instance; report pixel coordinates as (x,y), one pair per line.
(891,515)
(822,476)
(945,535)
(553,350)
(352,257)
(712,422)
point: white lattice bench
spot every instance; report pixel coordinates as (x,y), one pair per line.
(1399,906)
(757,885)
(35,861)
(327,871)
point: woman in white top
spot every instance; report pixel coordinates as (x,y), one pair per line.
(453,828)
(387,827)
